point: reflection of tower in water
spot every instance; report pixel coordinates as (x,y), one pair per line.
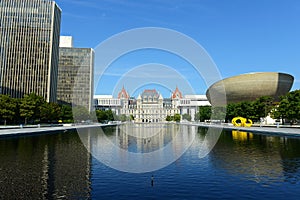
(70,168)
(49,166)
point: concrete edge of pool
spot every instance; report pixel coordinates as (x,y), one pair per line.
(13,132)
(27,131)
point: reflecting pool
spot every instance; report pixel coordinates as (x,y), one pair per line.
(66,165)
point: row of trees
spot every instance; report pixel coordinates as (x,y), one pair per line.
(175,118)
(107,115)
(104,116)
(254,110)
(287,108)
(32,109)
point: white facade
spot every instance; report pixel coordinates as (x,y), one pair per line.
(66,41)
(190,104)
(105,102)
(150,106)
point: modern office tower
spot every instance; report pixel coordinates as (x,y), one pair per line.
(29,45)
(75,76)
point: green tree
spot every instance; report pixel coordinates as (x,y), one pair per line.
(218,113)
(106,115)
(231,112)
(109,115)
(66,114)
(203,114)
(288,107)
(123,118)
(30,107)
(177,118)
(186,117)
(262,107)
(241,109)
(169,118)
(7,108)
(131,117)
(50,112)
(80,113)
(101,116)
(254,110)
(17,118)
(247,110)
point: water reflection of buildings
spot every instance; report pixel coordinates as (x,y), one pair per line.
(168,141)
(46,167)
(259,157)
(150,137)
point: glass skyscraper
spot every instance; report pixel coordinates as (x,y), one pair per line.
(76,77)
(29,47)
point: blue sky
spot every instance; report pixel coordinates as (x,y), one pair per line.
(241,36)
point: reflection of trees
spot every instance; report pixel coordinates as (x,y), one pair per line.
(80,113)
(290,153)
(202,131)
(109,130)
(256,156)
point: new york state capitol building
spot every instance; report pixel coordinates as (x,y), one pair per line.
(150,106)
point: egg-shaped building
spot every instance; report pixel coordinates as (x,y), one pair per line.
(249,87)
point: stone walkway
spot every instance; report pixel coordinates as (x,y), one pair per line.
(17,131)
(11,131)
(272,131)
(268,130)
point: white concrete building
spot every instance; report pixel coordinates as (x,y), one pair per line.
(66,41)
(150,106)
(107,102)
(190,104)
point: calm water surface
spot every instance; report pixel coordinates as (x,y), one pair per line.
(241,165)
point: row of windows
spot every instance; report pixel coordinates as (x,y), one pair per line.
(108,102)
(71,60)
(149,111)
(26,28)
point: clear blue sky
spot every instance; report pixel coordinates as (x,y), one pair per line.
(241,36)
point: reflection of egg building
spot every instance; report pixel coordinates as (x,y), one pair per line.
(258,157)
(249,87)
(150,106)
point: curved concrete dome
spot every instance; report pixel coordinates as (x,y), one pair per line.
(249,87)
